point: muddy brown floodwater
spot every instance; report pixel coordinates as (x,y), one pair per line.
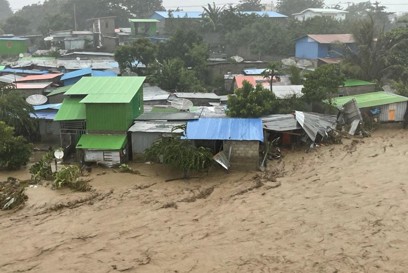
(340,208)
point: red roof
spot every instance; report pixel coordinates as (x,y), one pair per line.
(332,38)
(44,77)
(253,80)
(32,85)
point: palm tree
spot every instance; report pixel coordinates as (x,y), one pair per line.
(213,13)
(272,72)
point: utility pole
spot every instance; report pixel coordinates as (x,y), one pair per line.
(75,20)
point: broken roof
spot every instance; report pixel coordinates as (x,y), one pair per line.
(156,126)
(371,99)
(280,123)
(315,124)
(225,129)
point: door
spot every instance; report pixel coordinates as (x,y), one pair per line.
(391,112)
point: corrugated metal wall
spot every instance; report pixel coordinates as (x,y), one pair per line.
(306,49)
(108,117)
(400,109)
(141,141)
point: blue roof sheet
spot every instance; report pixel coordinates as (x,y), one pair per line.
(48,115)
(253,71)
(103,73)
(76,74)
(180,14)
(225,129)
(24,71)
(13,39)
(54,106)
(271,14)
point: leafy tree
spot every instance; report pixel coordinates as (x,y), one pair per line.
(54,22)
(250,102)
(289,7)
(295,75)
(323,83)
(179,45)
(272,71)
(250,5)
(16,25)
(139,8)
(14,150)
(5,10)
(180,154)
(15,112)
(140,51)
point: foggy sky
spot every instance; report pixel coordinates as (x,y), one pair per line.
(392,5)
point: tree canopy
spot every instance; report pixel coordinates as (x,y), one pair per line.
(250,5)
(250,102)
(323,83)
(141,51)
(5,10)
(14,150)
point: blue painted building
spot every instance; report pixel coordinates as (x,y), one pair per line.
(316,46)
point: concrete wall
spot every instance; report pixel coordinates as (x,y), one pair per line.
(244,154)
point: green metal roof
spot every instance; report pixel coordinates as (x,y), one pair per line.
(371,99)
(101,142)
(2,67)
(144,21)
(59,90)
(351,83)
(71,109)
(108,89)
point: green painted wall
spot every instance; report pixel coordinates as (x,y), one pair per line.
(13,47)
(113,116)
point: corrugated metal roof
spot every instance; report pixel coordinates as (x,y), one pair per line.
(180,14)
(154,92)
(144,21)
(317,10)
(24,71)
(351,83)
(103,73)
(370,99)
(76,74)
(59,90)
(281,123)
(253,80)
(315,124)
(13,39)
(38,77)
(52,106)
(285,91)
(9,78)
(101,142)
(270,14)
(225,129)
(168,116)
(332,38)
(71,109)
(197,95)
(21,86)
(156,126)
(330,60)
(107,89)
(2,67)
(253,71)
(209,111)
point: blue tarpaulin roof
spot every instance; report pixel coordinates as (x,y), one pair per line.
(24,71)
(48,115)
(253,71)
(76,74)
(54,106)
(225,129)
(103,73)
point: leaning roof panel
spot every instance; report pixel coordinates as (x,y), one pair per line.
(101,142)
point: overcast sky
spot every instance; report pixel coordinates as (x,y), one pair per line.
(393,5)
